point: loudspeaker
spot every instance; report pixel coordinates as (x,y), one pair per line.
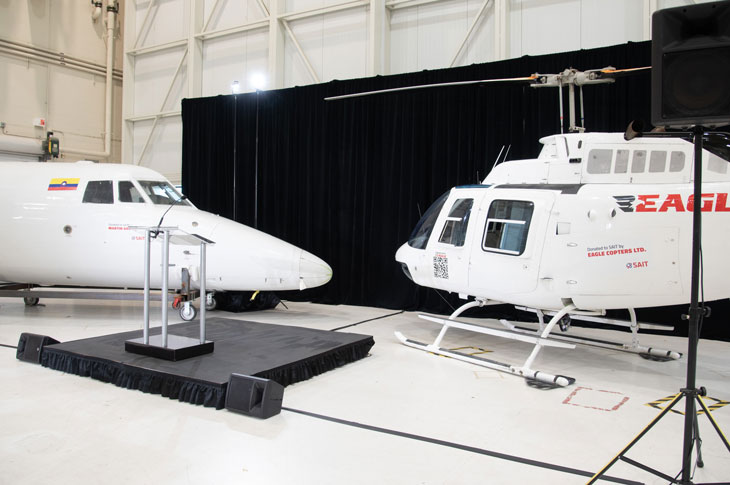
(691,65)
(31,345)
(254,396)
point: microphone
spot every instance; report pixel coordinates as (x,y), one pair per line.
(159,224)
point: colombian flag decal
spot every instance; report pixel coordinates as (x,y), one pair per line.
(63,184)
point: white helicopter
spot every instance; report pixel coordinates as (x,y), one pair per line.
(73,224)
(598,221)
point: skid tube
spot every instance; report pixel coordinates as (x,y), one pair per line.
(634,347)
(524,371)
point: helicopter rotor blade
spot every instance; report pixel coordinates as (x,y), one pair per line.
(424,86)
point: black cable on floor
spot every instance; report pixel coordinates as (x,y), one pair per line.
(368,320)
(9,346)
(471,449)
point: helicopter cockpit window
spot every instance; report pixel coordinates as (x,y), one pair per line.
(129,193)
(424,228)
(454,231)
(599,161)
(508,222)
(99,192)
(161,192)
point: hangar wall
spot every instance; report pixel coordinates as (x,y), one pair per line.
(52,67)
(175,49)
(190,48)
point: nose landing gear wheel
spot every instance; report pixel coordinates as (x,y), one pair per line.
(210,302)
(188,312)
(30,300)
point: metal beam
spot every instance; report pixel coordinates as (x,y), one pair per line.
(650,6)
(164,101)
(161,114)
(157,47)
(138,35)
(311,70)
(468,32)
(128,65)
(215,34)
(501,29)
(277,42)
(195,48)
(378,38)
(303,14)
(399,4)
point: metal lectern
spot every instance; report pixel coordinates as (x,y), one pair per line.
(165,346)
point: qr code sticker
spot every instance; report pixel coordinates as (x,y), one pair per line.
(440,266)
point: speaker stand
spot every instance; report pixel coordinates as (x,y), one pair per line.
(690,391)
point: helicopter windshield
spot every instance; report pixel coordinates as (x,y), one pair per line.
(422,231)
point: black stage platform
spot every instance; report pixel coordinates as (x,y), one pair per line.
(281,353)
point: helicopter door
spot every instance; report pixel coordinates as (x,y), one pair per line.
(450,258)
(505,257)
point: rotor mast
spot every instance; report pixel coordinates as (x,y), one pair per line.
(572,78)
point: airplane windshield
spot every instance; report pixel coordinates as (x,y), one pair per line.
(422,231)
(161,192)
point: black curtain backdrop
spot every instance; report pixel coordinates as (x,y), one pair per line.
(347,180)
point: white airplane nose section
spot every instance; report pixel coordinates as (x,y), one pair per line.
(313,271)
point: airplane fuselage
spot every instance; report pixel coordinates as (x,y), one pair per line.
(75,224)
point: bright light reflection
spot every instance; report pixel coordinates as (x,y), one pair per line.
(257,80)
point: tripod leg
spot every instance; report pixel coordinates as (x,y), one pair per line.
(714,423)
(698,443)
(616,458)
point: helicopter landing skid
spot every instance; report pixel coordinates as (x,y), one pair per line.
(634,347)
(529,374)
(525,370)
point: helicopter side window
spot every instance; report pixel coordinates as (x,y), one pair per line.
(424,228)
(657,161)
(638,163)
(622,161)
(716,164)
(599,161)
(719,145)
(454,231)
(508,222)
(128,192)
(676,161)
(99,192)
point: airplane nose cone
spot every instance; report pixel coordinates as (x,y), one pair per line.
(313,271)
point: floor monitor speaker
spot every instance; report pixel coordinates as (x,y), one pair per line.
(30,346)
(254,396)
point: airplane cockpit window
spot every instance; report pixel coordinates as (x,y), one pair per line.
(129,193)
(99,192)
(508,222)
(424,228)
(161,192)
(454,231)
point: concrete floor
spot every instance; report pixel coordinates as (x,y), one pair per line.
(399,416)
